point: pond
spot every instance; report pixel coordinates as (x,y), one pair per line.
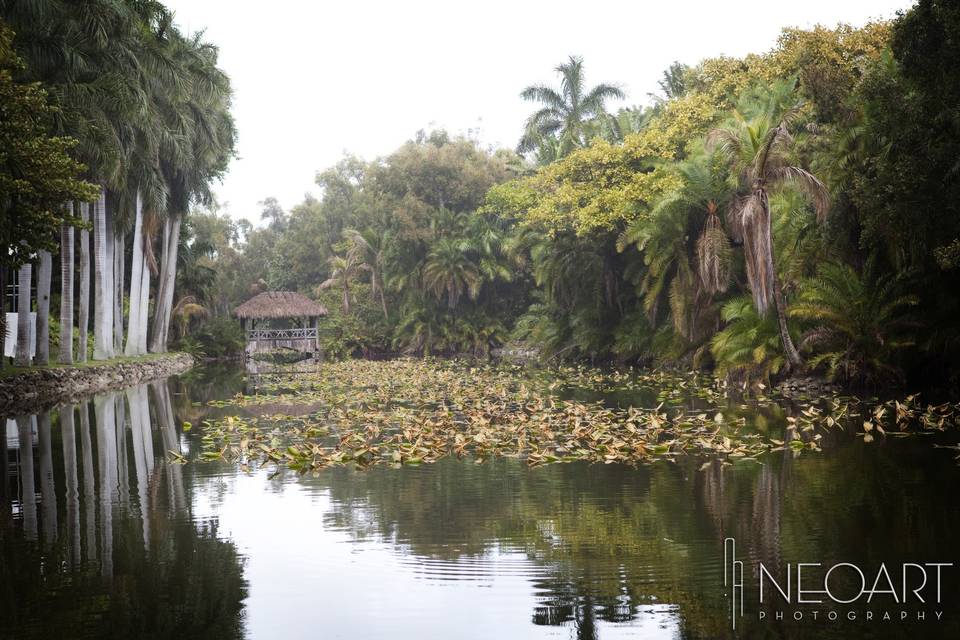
(111,526)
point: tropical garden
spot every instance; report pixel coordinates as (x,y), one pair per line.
(789,212)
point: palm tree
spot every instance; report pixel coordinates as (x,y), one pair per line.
(566,111)
(749,347)
(758,153)
(66,294)
(448,271)
(24,277)
(186,309)
(687,272)
(200,144)
(343,271)
(368,248)
(44,274)
(860,321)
(83,319)
(139,285)
(102,278)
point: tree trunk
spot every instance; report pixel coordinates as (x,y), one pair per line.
(103,281)
(48,487)
(24,276)
(68,440)
(136,279)
(3,324)
(119,254)
(89,484)
(794,361)
(66,294)
(28,496)
(105,408)
(168,275)
(144,305)
(83,320)
(43,308)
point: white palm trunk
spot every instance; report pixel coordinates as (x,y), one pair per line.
(24,277)
(48,487)
(68,440)
(136,283)
(142,459)
(119,253)
(28,496)
(103,281)
(105,408)
(89,484)
(171,443)
(144,305)
(43,308)
(83,319)
(66,294)
(168,275)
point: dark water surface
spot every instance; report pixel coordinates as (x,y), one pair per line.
(100,537)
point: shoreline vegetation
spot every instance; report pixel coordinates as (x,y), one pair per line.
(27,390)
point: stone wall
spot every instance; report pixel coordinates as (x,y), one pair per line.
(33,390)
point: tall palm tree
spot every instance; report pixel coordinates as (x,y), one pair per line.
(102,278)
(196,150)
(44,274)
(66,294)
(758,153)
(565,112)
(343,271)
(24,277)
(139,278)
(449,271)
(83,317)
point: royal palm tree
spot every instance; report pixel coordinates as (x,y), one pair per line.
(66,294)
(24,278)
(758,153)
(565,112)
(102,281)
(196,150)
(83,312)
(44,274)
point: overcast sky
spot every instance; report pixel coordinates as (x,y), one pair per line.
(313,80)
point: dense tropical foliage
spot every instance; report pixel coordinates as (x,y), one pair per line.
(119,122)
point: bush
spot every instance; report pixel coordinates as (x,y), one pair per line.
(215,338)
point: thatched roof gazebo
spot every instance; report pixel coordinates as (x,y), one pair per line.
(278,305)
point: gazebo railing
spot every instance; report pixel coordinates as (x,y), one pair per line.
(306,333)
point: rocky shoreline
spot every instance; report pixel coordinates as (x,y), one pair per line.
(31,391)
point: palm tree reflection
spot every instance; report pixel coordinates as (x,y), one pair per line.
(120,554)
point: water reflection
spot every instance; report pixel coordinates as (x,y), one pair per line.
(101,537)
(97,536)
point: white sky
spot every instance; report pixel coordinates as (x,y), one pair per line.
(313,79)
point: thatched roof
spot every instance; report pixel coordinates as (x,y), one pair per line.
(279,304)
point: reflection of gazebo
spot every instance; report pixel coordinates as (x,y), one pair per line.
(300,312)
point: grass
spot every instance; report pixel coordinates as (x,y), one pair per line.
(10,371)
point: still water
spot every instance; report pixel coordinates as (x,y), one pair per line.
(102,537)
